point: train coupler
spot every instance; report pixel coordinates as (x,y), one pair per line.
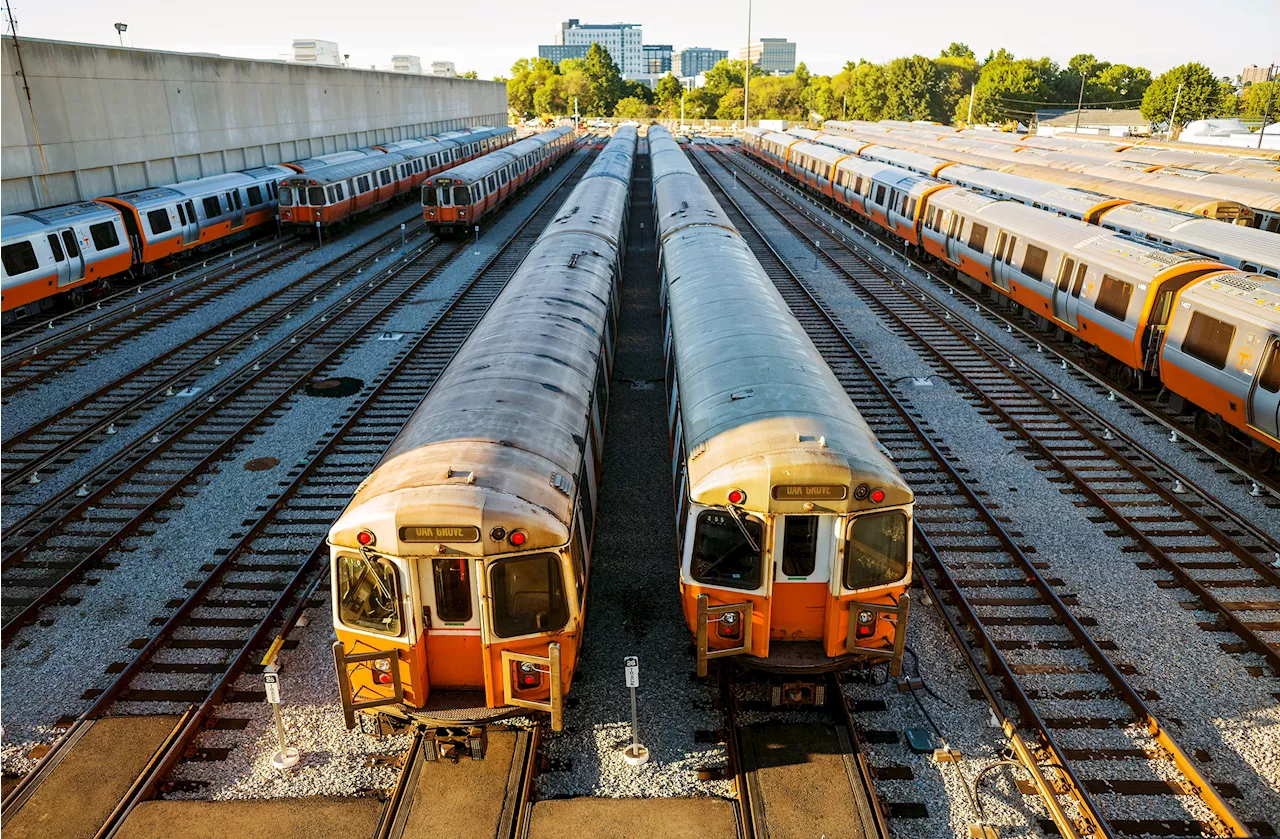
(455,743)
(797,694)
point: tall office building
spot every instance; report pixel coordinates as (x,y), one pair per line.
(1254,74)
(312,51)
(772,56)
(691,61)
(623,41)
(657,59)
(559,52)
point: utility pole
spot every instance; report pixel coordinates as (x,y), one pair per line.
(575,113)
(968,121)
(844,109)
(1080,102)
(1176,97)
(31,107)
(1271,89)
(683,91)
(746,75)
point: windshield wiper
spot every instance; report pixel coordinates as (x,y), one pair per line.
(738,520)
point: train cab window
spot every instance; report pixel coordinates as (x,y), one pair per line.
(875,553)
(182,216)
(69,240)
(528,595)
(104,235)
(1113,297)
(286,196)
(369,594)
(1033,262)
(211,208)
(723,555)
(56,246)
(799,545)
(159,221)
(1269,370)
(977,237)
(316,196)
(429,195)
(254,194)
(19,258)
(1208,339)
(453,589)
(461,196)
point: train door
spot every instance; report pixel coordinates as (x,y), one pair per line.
(190,223)
(951,223)
(451,622)
(75,256)
(803,552)
(61,269)
(1062,310)
(235,208)
(1264,396)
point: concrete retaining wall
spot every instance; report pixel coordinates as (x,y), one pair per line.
(108,120)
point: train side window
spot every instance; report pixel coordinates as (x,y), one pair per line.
(1113,297)
(1079,284)
(385,175)
(339,191)
(433,161)
(369,594)
(104,235)
(977,237)
(69,240)
(528,595)
(1008,254)
(254,194)
(182,216)
(1208,339)
(211,208)
(579,556)
(1033,262)
(1001,241)
(159,221)
(1269,370)
(58,255)
(1064,280)
(453,589)
(19,258)
(875,553)
(236,196)
(722,553)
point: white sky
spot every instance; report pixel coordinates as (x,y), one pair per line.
(489,36)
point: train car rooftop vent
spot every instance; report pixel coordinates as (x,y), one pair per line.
(459,475)
(561,482)
(741,394)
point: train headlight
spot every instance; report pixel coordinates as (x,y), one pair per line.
(366,538)
(527,675)
(382,671)
(866,623)
(518,538)
(730,625)
(737,496)
(877,495)
(383,664)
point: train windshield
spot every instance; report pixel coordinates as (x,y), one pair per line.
(528,595)
(428,196)
(369,594)
(316,194)
(286,196)
(876,551)
(461,196)
(726,550)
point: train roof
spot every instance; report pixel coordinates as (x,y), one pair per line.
(20,227)
(1237,296)
(80,211)
(498,439)
(617,157)
(148,196)
(342,171)
(482,167)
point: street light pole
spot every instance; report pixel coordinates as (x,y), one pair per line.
(1173,115)
(746,75)
(1079,103)
(1266,114)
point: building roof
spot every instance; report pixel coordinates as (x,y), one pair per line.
(1093,116)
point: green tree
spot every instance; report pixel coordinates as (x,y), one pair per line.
(604,82)
(958,50)
(730,104)
(527,75)
(956,74)
(470,74)
(1118,83)
(1201,96)
(668,89)
(911,89)
(631,107)
(725,76)
(1253,100)
(867,93)
(1008,89)
(638,90)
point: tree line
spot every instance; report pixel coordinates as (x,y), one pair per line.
(955,87)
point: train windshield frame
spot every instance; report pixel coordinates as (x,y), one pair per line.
(285,196)
(369,593)
(723,555)
(876,550)
(518,586)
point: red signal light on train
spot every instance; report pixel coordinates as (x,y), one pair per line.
(366,537)
(737,496)
(877,495)
(518,537)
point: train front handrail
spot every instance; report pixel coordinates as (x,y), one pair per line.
(897,615)
(551,661)
(707,615)
(349,703)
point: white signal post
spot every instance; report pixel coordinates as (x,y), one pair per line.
(286,757)
(634,754)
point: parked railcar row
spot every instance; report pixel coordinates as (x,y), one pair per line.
(1240,247)
(1261,195)
(460,566)
(465,194)
(1155,315)
(794,526)
(77,248)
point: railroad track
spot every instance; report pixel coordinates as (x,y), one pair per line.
(1101,761)
(46,331)
(34,453)
(1222,559)
(258,586)
(1145,406)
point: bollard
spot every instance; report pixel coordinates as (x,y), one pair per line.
(634,754)
(319,236)
(286,757)
(477,240)
(402,238)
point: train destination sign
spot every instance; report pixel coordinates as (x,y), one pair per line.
(809,492)
(439,533)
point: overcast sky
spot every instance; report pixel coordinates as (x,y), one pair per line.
(489,36)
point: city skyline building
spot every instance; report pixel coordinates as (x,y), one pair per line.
(771,56)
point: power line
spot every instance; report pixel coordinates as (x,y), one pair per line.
(1065,104)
